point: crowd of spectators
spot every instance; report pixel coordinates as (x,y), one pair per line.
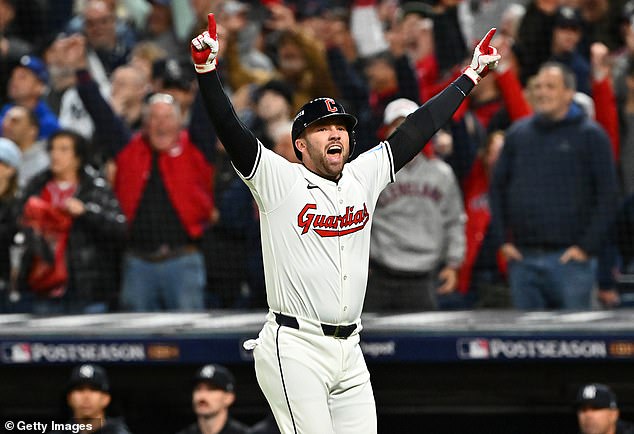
(116,195)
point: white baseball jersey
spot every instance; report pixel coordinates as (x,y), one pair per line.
(316,233)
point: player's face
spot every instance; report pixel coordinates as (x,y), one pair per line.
(597,420)
(325,147)
(209,400)
(87,402)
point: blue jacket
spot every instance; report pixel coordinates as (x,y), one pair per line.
(554,185)
(45,116)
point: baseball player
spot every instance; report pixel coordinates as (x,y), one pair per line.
(315,221)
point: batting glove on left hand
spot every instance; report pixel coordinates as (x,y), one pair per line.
(485,58)
(204,48)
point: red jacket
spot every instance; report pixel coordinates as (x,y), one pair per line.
(186,174)
(476,203)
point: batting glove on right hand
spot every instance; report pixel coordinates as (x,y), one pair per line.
(204,48)
(485,58)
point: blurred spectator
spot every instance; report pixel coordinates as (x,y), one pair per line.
(88,398)
(72,223)
(21,126)
(388,79)
(164,184)
(169,208)
(108,47)
(598,411)
(273,108)
(534,36)
(238,18)
(12,46)
(129,90)
(27,87)
(553,195)
(144,56)
(624,287)
(601,22)
(200,9)
(176,79)
(10,157)
(451,48)
(627,114)
(564,49)
(482,276)
(409,267)
(366,28)
(61,76)
(417,30)
(213,394)
(300,58)
(159,29)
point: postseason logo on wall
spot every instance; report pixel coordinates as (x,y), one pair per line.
(41,352)
(509,349)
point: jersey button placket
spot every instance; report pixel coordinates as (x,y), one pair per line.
(342,263)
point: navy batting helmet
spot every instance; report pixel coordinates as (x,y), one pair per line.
(321,108)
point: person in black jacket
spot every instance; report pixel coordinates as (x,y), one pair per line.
(213,394)
(88,398)
(598,411)
(10,157)
(88,222)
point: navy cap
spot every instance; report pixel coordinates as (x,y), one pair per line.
(89,375)
(568,17)
(279,87)
(174,74)
(37,67)
(596,395)
(216,375)
(319,108)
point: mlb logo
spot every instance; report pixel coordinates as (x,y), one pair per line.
(16,353)
(473,348)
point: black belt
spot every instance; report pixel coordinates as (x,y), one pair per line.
(165,252)
(336,331)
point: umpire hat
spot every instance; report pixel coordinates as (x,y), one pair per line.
(317,109)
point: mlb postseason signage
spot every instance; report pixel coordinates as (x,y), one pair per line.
(398,347)
(464,337)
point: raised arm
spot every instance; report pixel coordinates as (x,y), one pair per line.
(240,143)
(410,137)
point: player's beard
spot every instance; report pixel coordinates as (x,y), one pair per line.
(324,165)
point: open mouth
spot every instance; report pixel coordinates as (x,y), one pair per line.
(334,150)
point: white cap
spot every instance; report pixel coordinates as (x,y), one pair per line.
(399,108)
(10,153)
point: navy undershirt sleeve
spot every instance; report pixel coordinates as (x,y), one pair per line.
(238,140)
(419,127)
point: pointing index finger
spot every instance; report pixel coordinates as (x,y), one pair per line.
(211,26)
(484,43)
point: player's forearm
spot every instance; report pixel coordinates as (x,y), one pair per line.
(240,143)
(419,127)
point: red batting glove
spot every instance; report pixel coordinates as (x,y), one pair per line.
(485,58)
(204,48)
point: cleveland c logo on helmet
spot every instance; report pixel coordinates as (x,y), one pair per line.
(317,109)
